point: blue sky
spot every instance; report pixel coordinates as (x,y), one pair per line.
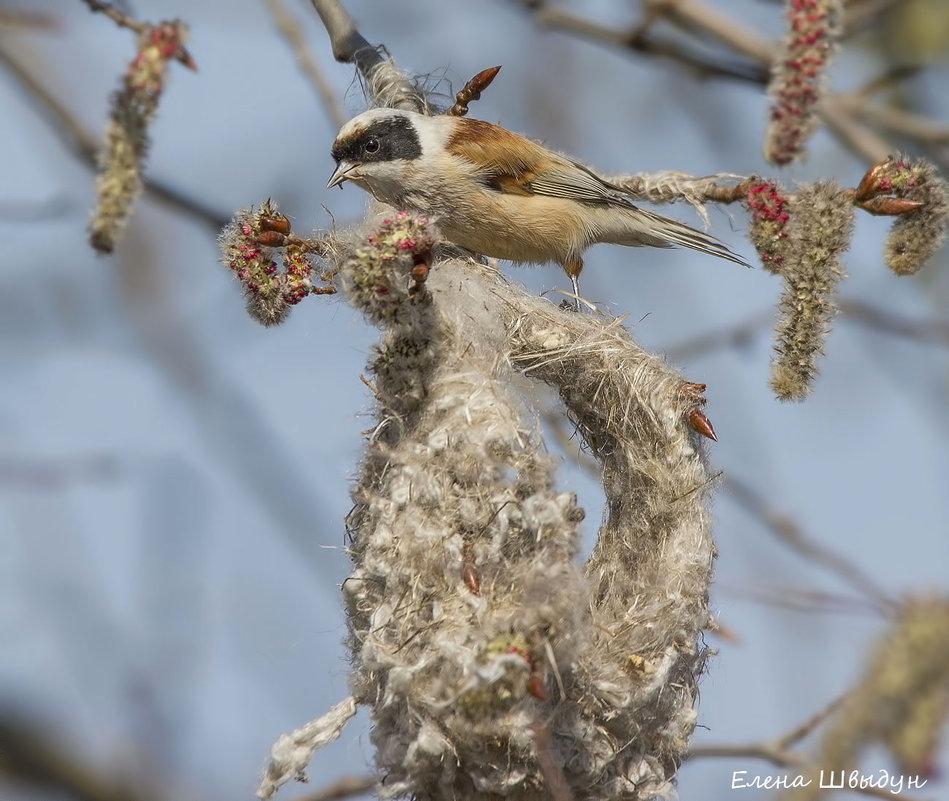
(170,603)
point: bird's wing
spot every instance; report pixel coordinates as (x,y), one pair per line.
(510,163)
(568,179)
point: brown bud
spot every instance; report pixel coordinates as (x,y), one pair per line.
(482,81)
(727,633)
(472,91)
(870,183)
(535,686)
(185,58)
(276,222)
(271,239)
(699,422)
(892,206)
(471,577)
(420,272)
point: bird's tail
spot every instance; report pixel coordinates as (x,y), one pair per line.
(659,231)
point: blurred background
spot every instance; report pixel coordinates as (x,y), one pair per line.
(174,477)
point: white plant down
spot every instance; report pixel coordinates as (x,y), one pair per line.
(458,672)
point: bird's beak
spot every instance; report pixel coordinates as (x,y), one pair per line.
(341,173)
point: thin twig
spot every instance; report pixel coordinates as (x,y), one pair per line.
(132,24)
(638,38)
(790,532)
(29,756)
(342,788)
(395,89)
(349,45)
(891,77)
(558,427)
(767,750)
(806,600)
(777,750)
(290,30)
(700,18)
(934,332)
(52,208)
(15,18)
(732,336)
(806,726)
(880,320)
(54,474)
(704,19)
(905,123)
(86,146)
(852,133)
(780,751)
(859,13)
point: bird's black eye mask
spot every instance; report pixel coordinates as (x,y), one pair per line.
(385,140)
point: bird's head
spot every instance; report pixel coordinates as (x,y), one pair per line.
(375,149)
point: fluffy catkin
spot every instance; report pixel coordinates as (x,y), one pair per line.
(916,236)
(268,292)
(770,222)
(821,228)
(471,627)
(900,701)
(798,74)
(134,107)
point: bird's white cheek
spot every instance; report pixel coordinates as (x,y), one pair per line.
(385,180)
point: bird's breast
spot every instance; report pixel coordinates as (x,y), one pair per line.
(520,228)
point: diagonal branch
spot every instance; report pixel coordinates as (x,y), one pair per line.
(387,85)
(29,756)
(789,532)
(15,18)
(880,320)
(780,750)
(699,18)
(85,146)
(640,39)
(290,31)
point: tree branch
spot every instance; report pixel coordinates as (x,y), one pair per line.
(882,321)
(789,532)
(85,146)
(780,751)
(698,18)
(28,755)
(288,28)
(640,39)
(345,787)
(386,84)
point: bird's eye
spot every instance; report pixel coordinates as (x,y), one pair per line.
(372,145)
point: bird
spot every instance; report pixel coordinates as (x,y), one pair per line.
(497,193)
